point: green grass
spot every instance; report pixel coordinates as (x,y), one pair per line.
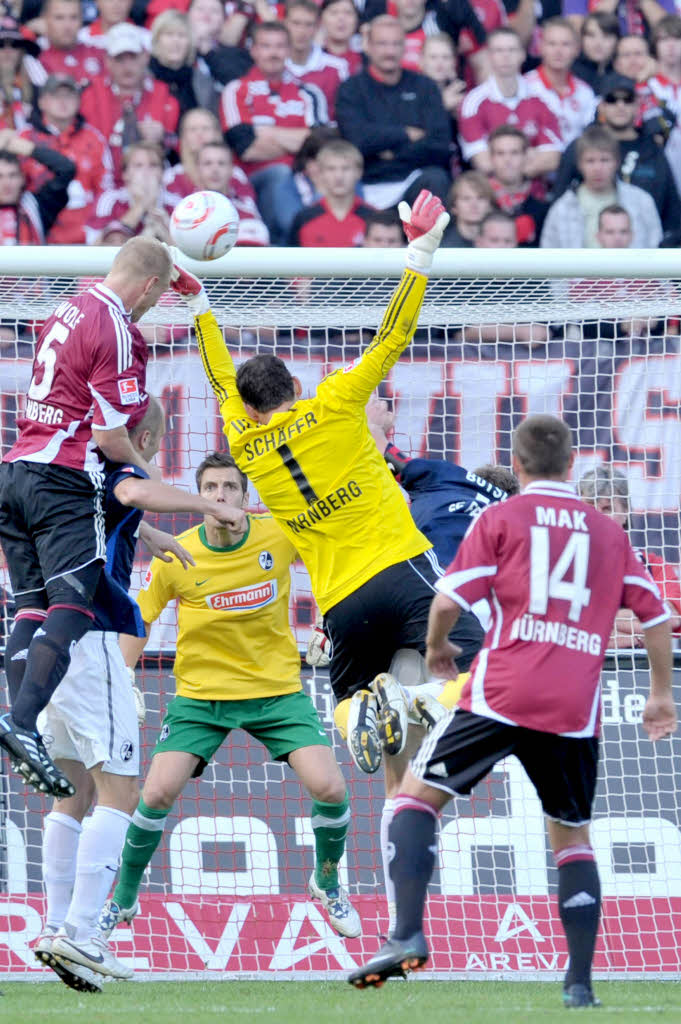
(333,1003)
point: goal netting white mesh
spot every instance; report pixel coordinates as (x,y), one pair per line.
(590,336)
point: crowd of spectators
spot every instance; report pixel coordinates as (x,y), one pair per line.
(538,125)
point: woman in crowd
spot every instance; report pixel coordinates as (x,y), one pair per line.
(173,61)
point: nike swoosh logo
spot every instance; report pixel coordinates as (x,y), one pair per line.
(199,583)
(95,959)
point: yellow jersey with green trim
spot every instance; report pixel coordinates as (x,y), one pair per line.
(316,466)
(234,641)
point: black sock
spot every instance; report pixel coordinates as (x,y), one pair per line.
(579,903)
(49,655)
(16,650)
(412,834)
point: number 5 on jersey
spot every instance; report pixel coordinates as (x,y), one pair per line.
(47,357)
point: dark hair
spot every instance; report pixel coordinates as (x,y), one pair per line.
(10,158)
(386,218)
(269,26)
(667,27)
(317,137)
(220,460)
(264,382)
(507,131)
(614,208)
(500,216)
(307,5)
(499,476)
(542,445)
(608,23)
(598,137)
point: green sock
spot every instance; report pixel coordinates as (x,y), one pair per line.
(142,838)
(330,826)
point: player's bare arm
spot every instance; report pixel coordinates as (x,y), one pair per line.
(659,713)
(156,497)
(440,652)
(163,545)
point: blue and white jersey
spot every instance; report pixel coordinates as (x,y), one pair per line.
(114,609)
(445,498)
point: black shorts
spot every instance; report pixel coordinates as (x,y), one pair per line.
(388,612)
(51,524)
(463,750)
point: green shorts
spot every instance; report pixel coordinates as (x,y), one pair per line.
(283,724)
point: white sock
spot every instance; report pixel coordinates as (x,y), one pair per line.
(61,835)
(99,854)
(387,855)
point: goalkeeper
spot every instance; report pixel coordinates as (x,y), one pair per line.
(317,469)
(237,667)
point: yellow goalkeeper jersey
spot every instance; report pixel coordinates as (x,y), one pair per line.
(234,641)
(316,466)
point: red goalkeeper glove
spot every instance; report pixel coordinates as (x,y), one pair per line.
(424,225)
(189,287)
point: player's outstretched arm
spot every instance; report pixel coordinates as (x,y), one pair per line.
(151,496)
(163,545)
(215,356)
(424,224)
(659,714)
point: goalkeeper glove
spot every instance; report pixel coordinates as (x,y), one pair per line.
(318,653)
(140,706)
(189,287)
(424,224)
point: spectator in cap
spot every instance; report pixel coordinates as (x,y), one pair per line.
(26,217)
(19,71)
(58,123)
(128,104)
(643,160)
(62,53)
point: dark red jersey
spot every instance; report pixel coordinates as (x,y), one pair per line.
(89,370)
(484,108)
(555,571)
(82,62)
(103,106)
(318,226)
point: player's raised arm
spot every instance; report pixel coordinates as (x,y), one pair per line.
(156,497)
(215,356)
(424,225)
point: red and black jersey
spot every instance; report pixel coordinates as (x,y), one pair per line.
(317,226)
(89,370)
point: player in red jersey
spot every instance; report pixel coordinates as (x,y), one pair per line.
(87,389)
(534,689)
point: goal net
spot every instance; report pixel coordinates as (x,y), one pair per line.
(592,336)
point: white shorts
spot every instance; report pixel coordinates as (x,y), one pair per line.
(91,717)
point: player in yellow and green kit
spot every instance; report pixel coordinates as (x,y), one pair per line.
(317,469)
(237,667)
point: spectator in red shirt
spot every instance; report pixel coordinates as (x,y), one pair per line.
(470,199)
(307,61)
(16,88)
(140,207)
(505,98)
(267,116)
(339,218)
(26,217)
(534,689)
(571,100)
(607,489)
(513,192)
(216,172)
(197,127)
(339,19)
(62,53)
(128,104)
(383,230)
(59,124)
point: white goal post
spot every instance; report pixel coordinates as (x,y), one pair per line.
(591,335)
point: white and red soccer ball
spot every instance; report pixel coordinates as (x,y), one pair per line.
(204,225)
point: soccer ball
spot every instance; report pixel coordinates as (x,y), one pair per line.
(204,225)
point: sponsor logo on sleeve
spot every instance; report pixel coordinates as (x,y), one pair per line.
(148,576)
(243,599)
(128,391)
